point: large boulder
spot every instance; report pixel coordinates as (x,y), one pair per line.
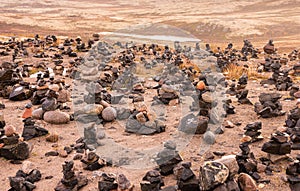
(56,117)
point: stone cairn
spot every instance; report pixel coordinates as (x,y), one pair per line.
(293,129)
(113,182)
(11,146)
(24,181)
(242,92)
(269,105)
(253,130)
(70,180)
(247,161)
(168,158)
(280,78)
(31,130)
(152,181)
(293,174)
(278,145)
(92,161)
(144,121)
(294,55)
(186,179)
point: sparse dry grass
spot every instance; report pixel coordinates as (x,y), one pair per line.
(234,72)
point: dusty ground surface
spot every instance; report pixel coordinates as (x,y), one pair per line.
(217,22)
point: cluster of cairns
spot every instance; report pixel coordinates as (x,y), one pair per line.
(144,122)
(110,181)
(98,105)
(269,105)
(293,128)
(25,178)
(280,77)
(232,56)
(231,172)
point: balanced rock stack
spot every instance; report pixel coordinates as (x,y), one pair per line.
(296,69)
(293,174)
(293,125)
(280,78)
(278,145)
(269,48)
(269,105)
(167,93)
(31,130)
(11,147)
(70,181)
(186,179)
(7,81)
(152,181)
(246,161)
(112,182)
(24,181)
(242,92)
(92,161)
(168,158)
(144,122)
(253,130)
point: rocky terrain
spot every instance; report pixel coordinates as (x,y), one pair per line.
(91,101)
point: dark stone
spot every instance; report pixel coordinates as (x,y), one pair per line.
(31,131)
(17,183)
(190,185)
(18,151)
(276,148)
(51,153)
(18,94)
(34,176)
(107,186)
(152,181)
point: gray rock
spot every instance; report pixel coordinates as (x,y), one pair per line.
(19,93)
(192,124)
(209,137)
(49,104)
